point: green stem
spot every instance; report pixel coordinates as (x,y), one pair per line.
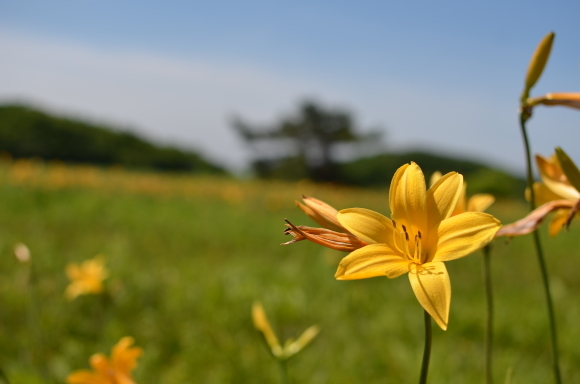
(284,371)
(3,378)
(488,344)
(552,319)
(40,355)
(427,350)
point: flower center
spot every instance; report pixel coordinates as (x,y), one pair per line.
(409,243)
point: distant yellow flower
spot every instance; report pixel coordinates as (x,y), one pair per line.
(291,347)
(116,370)
(417,240)
(560,181)
(476,203)
(86,278)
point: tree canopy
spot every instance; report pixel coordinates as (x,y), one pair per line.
(304,145)
(27,132)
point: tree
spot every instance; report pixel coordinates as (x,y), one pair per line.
(305,145)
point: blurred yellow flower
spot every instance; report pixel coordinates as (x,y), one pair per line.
(86,278)
(476,203)
(22,253)
(291,347)
(417,240)
(116,370)
(560,181)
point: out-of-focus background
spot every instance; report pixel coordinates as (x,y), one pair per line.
(174,137)
(442,77)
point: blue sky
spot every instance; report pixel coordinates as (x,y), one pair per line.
(443,76)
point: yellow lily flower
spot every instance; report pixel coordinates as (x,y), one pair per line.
(476,203)
(116,370)
(86,278)
(291,347)
(556,173)
(418,238)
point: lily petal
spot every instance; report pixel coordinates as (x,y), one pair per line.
(407,196)
(86,377)
(100,363)
(335,240)
(558,222)
(319,211)
(371,261)
(569,168)
(124,356)
(432,287)
(543,194)
(480,202)
(463,234)
(554,178)
(367,225)
(435,178)
(442,198)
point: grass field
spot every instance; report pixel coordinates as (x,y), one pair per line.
(187,256)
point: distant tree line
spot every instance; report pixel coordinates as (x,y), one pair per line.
(26,132)
(311,144)
(305,146)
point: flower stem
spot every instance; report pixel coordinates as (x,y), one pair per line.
(427,350)
(284,371)
(524,115)
(488,344)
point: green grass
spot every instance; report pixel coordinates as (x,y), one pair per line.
(186,266)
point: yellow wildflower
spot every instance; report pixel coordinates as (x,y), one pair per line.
(86,278)
(291,347)
(116,370)
(560,181)
(476,203)
(418,238)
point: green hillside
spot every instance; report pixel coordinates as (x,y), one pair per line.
(376,171)
(26,132)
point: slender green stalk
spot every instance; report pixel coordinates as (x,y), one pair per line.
(284,371)
(427,350)
(3,378)
(488,344)
(524,115)
(39,354)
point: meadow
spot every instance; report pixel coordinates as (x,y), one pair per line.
(188,255)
